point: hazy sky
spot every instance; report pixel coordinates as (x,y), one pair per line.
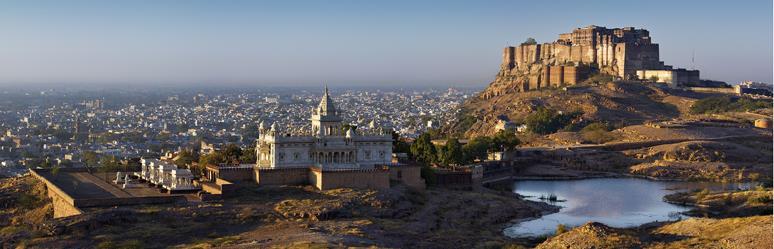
(439,43)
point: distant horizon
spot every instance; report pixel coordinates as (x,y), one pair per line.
(172,87)
(348,43)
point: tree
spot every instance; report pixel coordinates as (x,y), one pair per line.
(250,132)
(653,78)
(108,164)
(596,133)
(546,121)
(505,141)
(476,148)
(55,170)
(232,152)
(213,158)
(186,157)
(90,158)
(529,41)
(423,149)
(398,145)
(452,152)
(248,155)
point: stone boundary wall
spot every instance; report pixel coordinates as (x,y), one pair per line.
(236,174)
(106,202)
(64,204)
(409,175)
(62,208)
(714,90)
(227,188)
(378,179)
(462,179)
(211,188)
(291,176)
(220,187)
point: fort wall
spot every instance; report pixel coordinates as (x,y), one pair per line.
(64,204)
(619,52)
(378,179)
(289,176)
(236,174)
(409,175)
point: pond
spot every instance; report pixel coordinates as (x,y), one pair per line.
(616,202)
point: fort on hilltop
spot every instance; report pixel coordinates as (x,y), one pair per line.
(625,53)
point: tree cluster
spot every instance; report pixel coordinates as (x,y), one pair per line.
(454,153)
(546,121)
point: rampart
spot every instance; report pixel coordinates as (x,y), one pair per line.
(573,57)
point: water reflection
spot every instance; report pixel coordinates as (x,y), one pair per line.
(617,202)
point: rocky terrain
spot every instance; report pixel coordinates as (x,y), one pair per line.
(757,201)
(24,209)
(747,232)
(271,217)
(728,160)
(303,217)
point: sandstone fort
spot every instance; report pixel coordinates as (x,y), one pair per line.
(625,53)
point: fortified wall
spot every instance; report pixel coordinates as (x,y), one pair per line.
(573,57)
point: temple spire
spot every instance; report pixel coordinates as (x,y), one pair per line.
(326,106)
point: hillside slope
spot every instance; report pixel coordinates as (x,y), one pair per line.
(619,102)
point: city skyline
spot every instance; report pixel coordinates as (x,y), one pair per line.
(203,43)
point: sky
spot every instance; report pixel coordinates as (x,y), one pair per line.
(350,43)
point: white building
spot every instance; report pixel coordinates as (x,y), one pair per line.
(327,145)
(166,175)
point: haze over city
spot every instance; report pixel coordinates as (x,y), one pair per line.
(348,43)
(386,124)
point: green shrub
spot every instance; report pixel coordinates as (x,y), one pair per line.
(560,229)
(702,194)
(598,78)
(428,174)
(547,121)
(760,198)
(727,104)
(529,41)
(596,133)
(106,245)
